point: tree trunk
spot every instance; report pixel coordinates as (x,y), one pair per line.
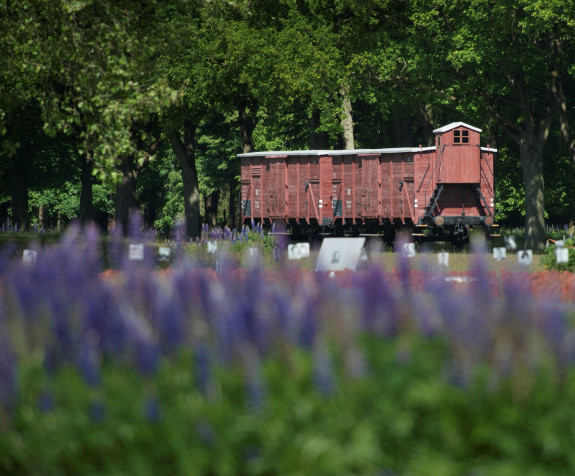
(212,202)
(247,122)
(185,153)
(317,140)
(126,198)
(531,158)
(402,132)
(86,206)
(347,120)
(564,125)
(19,192)
(427,126)
(232,205)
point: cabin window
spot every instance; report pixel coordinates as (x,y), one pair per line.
(461,137)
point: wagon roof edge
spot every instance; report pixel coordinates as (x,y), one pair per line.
(393,150)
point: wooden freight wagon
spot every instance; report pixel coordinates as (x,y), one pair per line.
(440,192)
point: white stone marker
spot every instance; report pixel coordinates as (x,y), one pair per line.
(29,257)
(212,247)
(499,254)
(562,255)
(298,251)
(525,257)
(443,259)
(164,253)
(136,252)
(409,250)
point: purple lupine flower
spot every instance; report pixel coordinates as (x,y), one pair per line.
(25,290)
(205,431)
(115,247)
(46,402)
(8,374)
(62,329)
(103,313)
(152,409)
(147,357)
(255,387)
(379,304)
(323,372)
(281,310)
(225,326)
(479,270)
(88,360)
(255,327)
(169,320)
(179,232)
(97,411)
(356,365)
(6,253)
(51,359)
(404,269)
(202,368)
(426,320)
(554,324)
(192,287)
(135,225)
(308,328)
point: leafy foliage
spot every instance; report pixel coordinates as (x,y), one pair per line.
(96,74)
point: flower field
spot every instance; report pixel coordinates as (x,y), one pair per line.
(236,368)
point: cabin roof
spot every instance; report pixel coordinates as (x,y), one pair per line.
(453,125)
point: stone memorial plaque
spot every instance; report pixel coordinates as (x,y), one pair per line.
(337,254)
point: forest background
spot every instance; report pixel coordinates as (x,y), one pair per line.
(110,105)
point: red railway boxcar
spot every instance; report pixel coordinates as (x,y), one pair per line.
(440,192)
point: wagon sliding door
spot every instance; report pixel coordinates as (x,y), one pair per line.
(275,191)
(337,187)
(312,189)
(251,188)
(367,186)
